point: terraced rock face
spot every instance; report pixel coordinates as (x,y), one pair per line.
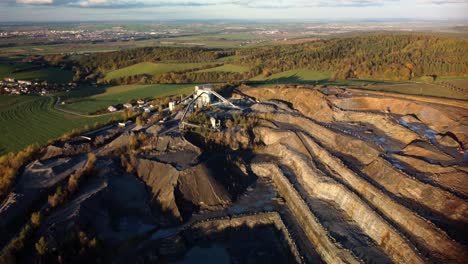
(388,167)
(302,176)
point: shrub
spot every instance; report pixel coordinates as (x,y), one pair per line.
(8,253)
(41,246)
(72,183)
(36,219)
(139,121)
(11,163)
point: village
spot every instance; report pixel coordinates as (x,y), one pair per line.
(139,105)
(19,87)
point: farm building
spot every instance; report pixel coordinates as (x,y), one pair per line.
(111,109)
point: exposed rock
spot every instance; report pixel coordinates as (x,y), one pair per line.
(51,152)
(198,186)
(37,180)
(161,179)
(424,150)
(120,199)
(447,141)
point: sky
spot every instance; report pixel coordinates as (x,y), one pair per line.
(119,10)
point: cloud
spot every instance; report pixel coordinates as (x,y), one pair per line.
(35,2)
(139,3)
(242,3)
(440,2)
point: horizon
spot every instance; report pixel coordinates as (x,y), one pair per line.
(246,21)
(241,10)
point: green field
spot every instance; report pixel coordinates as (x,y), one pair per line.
(32,119)
(294,76)
(151,69)
(122,94)
(405,87)
(427,89)
(22,71)
(227,68)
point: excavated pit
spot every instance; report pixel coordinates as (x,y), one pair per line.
(228,240)
(327,175)
(386,164)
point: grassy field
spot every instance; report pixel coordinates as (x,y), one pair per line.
(294,76)
(227,68)
(427,89)
(461,83)
(122,94)
(437,89)
(32,119)
(22,71)
(151,69)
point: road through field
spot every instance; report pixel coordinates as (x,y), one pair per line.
(56,107)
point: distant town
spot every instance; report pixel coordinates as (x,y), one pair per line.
(18,87)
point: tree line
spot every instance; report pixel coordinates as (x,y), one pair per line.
(385,56)
(397,57)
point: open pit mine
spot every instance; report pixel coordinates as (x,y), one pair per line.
(286,174)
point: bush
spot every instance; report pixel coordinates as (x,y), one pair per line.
(11,163)
(139,121)
(36,219)
(41,246)
(8,253)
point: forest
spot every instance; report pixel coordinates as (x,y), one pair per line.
(397,57)
(379,57)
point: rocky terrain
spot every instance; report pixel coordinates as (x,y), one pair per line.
(294,175)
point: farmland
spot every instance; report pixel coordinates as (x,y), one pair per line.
(22,71)
(151,69)
(122,94)
(437,89)
(31,119)
(427,89)
(226,68)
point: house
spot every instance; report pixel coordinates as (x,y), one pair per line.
(9,79)
(25,82)
(147,110)
(124,124)
(140,102)
(111,109)
(128,106)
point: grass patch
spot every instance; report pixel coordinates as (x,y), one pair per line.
(426,89)
(122,94)
(294,76)
(22,71)
(151,69)
(32,119)
(227,68)
(446,78)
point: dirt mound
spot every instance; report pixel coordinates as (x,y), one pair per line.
(162,179)
(198,186)
(179,193)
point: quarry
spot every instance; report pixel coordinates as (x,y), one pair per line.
(276,174)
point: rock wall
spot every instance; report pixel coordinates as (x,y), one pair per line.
(318,236)
(251,221)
